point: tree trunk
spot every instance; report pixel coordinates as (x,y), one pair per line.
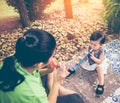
(31,11)
(35,8)
(25,21)
(68,9)
(37,11)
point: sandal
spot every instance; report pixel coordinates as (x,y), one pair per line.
(98,91)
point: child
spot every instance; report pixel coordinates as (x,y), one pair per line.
(96,58)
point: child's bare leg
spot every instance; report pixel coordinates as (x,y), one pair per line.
(100,87)
(100,75)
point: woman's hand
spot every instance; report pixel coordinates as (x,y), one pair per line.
(46,70)
(60,74)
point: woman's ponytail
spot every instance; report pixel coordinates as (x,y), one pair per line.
(9,77)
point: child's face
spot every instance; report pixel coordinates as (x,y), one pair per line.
(95,45)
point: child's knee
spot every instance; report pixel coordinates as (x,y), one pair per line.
(99,68)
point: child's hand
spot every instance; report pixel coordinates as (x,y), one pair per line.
(92,56)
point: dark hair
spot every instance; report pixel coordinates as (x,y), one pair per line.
(97,35)
(34,47)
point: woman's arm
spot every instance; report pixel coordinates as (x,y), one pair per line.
(45,71)
(54,90)
(52,97)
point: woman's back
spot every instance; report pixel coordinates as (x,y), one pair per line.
(29,91)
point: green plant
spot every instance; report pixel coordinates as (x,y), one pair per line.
(112,14)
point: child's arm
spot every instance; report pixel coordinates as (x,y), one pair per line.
(97,60)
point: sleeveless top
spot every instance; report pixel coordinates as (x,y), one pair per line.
(97,55)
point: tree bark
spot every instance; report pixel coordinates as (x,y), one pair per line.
(31,11)
(37,11)
(68,9)
(24,18)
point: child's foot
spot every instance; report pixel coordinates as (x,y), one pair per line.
(100,89)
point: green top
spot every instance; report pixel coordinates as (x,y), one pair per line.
(29,91)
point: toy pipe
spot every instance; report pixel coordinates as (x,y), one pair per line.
(74,68)
(53,63)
